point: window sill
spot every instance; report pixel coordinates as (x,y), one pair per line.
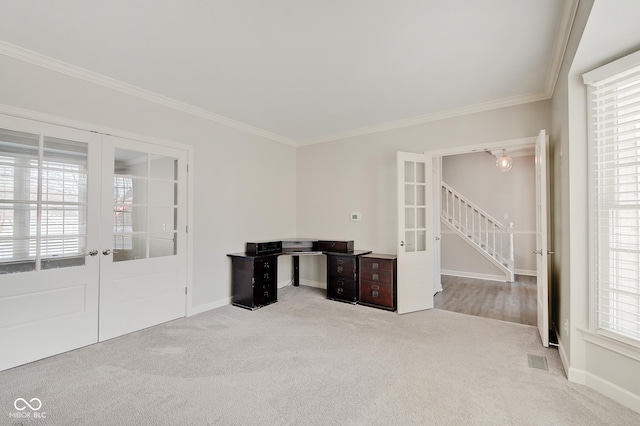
(631,350)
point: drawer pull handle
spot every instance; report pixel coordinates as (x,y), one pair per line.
(375,265)
(374,293)
(339,261)
(339,290)
(266,265)
(266,275)
(375,277)
(340,269)
(375,287)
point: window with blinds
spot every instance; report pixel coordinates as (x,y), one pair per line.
(614,113)
(43,202)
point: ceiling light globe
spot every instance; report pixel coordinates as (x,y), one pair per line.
(504,163)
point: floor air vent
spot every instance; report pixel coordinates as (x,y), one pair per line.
(537,361)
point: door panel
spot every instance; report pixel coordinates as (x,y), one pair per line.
(143,261)
(541,238)
(49,205)
(415,232)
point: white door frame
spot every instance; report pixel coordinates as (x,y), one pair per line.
(467,149)
(437,234)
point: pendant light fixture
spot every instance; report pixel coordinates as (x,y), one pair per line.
(504,163)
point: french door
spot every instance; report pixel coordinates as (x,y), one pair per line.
(415,285)
(542,268)
(72,270)
(143,267)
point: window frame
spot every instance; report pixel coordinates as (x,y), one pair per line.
(606,338)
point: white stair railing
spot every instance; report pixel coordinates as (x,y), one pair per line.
(483,232)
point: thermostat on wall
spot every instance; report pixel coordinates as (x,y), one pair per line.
(355,216)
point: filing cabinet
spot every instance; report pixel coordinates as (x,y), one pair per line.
(254,281)
(378,282)
(342,275)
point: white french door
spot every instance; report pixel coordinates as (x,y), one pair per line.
(541,238)
(144,263)
(415,287)
(49,191)
(92,238)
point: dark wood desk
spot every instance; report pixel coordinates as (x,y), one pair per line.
(255,272)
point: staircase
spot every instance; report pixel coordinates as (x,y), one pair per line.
(485,234)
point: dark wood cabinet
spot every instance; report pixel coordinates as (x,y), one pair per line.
(378,281)
(254,281)
(342,276)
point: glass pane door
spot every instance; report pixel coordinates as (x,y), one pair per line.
(415,208)
(43,202)
(49,235)
(144,258)
(145,211)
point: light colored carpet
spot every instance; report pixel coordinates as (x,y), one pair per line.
(307,360)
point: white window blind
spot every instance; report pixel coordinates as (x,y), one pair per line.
(43,202)
(614,113)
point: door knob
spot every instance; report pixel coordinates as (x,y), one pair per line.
(401,243)
(538,252)
(106,252)
(93,253)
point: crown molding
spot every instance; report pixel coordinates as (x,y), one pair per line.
(421,119)
(52,64)
(562,40)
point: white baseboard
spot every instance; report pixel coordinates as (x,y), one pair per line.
(474,275)
(606,388)
(528,272)
(311,283)
(208,306)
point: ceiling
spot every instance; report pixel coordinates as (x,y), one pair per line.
(302,71)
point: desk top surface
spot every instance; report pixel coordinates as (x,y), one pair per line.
(301,252)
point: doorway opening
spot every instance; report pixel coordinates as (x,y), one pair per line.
(465,281)
(472,280)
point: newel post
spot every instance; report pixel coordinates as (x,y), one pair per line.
(511,260)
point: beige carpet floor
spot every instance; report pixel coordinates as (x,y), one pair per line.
(307,360)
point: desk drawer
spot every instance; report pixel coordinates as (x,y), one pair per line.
(264,294)
(266,269)
(376,276)
(341,266)
(376,293)
(342,289)
(373,264)
(336,246)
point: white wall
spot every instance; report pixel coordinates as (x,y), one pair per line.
(359,174)
(244,185)
(610,31)
(476,177)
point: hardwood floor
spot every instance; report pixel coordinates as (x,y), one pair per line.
(513,302)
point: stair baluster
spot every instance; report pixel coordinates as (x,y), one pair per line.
(488,236)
